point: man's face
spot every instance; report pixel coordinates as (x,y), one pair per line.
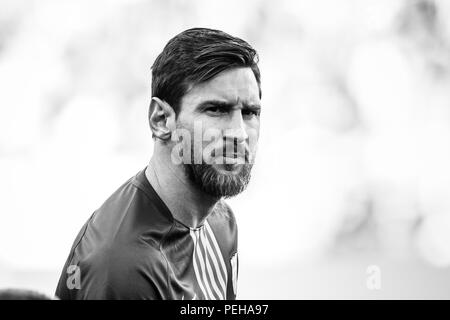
(222,119)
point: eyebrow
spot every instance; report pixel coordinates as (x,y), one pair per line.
(227,105)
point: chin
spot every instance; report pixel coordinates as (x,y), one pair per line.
(220,180)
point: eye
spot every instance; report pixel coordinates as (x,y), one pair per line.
(250,112)
(216,110)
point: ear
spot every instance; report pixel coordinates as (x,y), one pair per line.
(161,118)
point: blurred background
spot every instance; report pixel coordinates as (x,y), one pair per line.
(353,169)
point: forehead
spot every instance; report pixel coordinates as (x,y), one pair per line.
(233,86)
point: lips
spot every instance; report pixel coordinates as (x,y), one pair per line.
(229,154)
(217,153)
(234,158)
(234,155)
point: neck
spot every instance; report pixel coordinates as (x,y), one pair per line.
(186,201)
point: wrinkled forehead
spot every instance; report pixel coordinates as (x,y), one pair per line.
(235,86)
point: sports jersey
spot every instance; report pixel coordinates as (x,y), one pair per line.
(133,248)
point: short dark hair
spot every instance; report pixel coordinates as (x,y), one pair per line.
(197,55)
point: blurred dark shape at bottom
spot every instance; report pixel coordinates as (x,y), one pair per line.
(22,294)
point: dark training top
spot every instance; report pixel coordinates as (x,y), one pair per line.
(133,248)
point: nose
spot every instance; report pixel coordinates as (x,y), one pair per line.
(237,132)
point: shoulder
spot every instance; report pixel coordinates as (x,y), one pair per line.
(130,214)
(120,258)
(117,250)
(119,271)
(125,264)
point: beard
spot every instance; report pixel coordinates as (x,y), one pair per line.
(217,184)
(214,183)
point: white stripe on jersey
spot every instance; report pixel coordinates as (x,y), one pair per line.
(216,266)
(212,272)
(194,261)
(219,254)
(208,266)
(201,261)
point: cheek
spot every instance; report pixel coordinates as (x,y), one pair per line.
(253,135)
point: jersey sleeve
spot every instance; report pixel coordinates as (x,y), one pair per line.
(121,273)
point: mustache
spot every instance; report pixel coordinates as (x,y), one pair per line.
(231,148)
(216,152)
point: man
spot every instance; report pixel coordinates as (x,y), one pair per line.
(167,233)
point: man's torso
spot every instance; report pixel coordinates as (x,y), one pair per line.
(133,248)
